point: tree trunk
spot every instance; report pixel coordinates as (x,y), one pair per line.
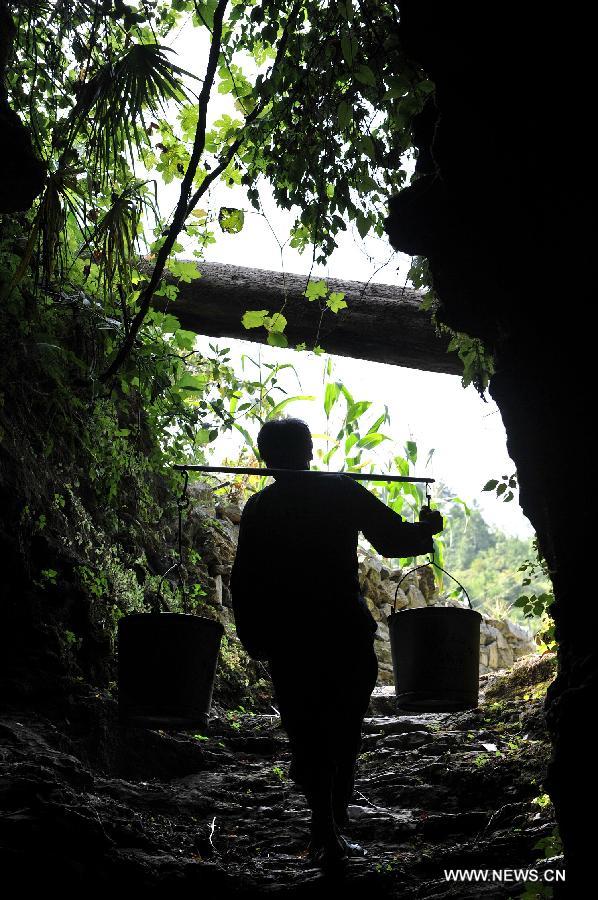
(382,322)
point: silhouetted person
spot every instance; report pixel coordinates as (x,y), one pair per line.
(297,603)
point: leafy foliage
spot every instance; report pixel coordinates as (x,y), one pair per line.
(115,392)
(497,567)
(478,362)
(98,86)
(536,605)
(505,487)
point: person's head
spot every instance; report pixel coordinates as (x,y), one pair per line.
(285,444)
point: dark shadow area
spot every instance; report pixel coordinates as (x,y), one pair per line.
(488,212)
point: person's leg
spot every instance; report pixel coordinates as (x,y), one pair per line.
(318,793)
(343,786)
(304,718)
(360,681)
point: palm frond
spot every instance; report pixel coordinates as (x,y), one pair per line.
(112,105)
(113,245)
(47,241)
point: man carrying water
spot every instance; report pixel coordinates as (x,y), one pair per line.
(297,603)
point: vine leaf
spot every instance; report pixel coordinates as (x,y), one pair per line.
(276,339)
(316,289)
(231,220)
(336,301)
(276,323)
(490,485)
(255,318)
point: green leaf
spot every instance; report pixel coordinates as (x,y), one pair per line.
(185,340)
(231,220)
(276,410)
(379,421)
(371,440)
(192,382)
(349,48)
(365,75)
(426,86)
(490,485)
(336,301)
(254,318)
(170,324)
(344,114)
(458,500)
(276,339)
(248,438)
(397,88)
(411,451)
(347,395)
(185,270)
(277,322)
(328,456)
(368,147)
(188,117)
(331,395)
(350,442)
(402,465)
(316,289)
(357,410)
(363,224)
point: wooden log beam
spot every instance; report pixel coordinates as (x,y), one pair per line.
(382,322)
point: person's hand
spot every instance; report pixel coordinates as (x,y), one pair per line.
(432,518)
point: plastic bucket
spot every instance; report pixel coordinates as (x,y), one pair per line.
(166,668)
(436,658)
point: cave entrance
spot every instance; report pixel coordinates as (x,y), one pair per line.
(426,424)
(440,777)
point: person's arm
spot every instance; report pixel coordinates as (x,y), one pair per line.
(244,586)
(385,529)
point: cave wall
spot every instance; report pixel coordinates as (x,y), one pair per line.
(22,173)
(500,208)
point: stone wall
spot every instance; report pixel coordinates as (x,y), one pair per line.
(501,640)
(212,529)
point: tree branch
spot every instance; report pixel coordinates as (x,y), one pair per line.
(187,203)
(182,208)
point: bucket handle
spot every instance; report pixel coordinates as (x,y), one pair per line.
(423,566)
(160,604)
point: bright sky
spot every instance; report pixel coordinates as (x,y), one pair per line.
(467,433)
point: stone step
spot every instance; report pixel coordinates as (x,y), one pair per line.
(396,724)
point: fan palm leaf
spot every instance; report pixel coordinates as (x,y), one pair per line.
(112,105)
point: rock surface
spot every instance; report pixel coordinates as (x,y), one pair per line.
(90,806)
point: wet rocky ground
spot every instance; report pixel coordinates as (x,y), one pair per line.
(89,806)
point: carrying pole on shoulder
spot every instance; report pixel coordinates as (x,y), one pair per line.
(265,472)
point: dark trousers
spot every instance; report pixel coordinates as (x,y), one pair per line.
(323,692)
